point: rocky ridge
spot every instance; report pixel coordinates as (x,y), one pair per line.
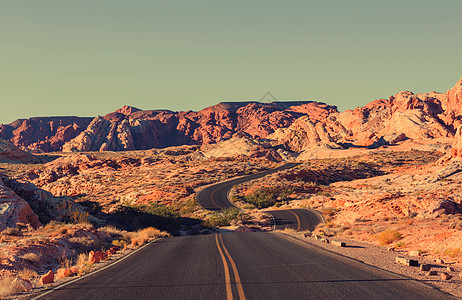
(9,153)
(130,128)
(14,209)
(45,134)
(404,116)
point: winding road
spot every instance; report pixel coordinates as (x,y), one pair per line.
(258,265)
(215,197)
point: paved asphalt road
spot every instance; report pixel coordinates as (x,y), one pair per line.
(215,197)
(259,265)
(241,266)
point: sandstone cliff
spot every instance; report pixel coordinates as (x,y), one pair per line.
(14,209)
(43,134)
(404,116)
(133,129)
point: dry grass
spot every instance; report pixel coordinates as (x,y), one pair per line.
(27,274)
(388,236)
(65,262)
(83,264)
(32,257)
(115,233)
(141,236)
(9,286)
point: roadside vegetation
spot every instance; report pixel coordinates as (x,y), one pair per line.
(267,196)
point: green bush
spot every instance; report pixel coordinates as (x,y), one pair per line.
(223,218)
(268,196)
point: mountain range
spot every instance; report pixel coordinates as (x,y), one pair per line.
(298,126)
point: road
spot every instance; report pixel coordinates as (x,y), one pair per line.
(215,197)
(259,265)
(241,266)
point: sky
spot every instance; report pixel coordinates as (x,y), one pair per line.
(89,58)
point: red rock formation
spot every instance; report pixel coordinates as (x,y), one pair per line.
(14,209)
(135,129)
(453,105)
(96,256)
(43,134)
(456,151)
(9,153)
(47,278)
(403,116)
(127,110)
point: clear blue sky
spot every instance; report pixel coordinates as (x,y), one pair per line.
(88,58)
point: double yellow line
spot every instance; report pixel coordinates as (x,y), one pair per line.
(299,223)
(237,279)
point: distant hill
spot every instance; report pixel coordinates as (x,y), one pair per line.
(298,126)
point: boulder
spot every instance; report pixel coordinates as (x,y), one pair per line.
(26,285)
(63,273)
(14,209)
(96,256)
(47,278)
(445,276)
(425,267)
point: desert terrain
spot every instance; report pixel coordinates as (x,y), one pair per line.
(74,191)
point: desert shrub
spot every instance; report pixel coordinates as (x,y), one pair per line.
(54,225)
(223,218)
(243,217)
(248,206)
(268,196)
(65,262)
(83,264)
(113,232)
(453,252)
(31,257)
(77,217)
(400,245)
(158,209)
(27,274)
(141,236)
(119,243)
(11,231)
(9,286)
(388,236)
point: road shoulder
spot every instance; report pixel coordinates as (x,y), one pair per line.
(380,257)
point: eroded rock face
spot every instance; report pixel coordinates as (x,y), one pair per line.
(456,151)
(14,209)
(404,116)
(43,134)
(300,126)
(9,153)
(132,129)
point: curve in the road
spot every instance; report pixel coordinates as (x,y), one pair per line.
(215,198)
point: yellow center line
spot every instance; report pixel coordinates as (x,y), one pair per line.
(240,290)
(211,197)
(299,223)
(229,291)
